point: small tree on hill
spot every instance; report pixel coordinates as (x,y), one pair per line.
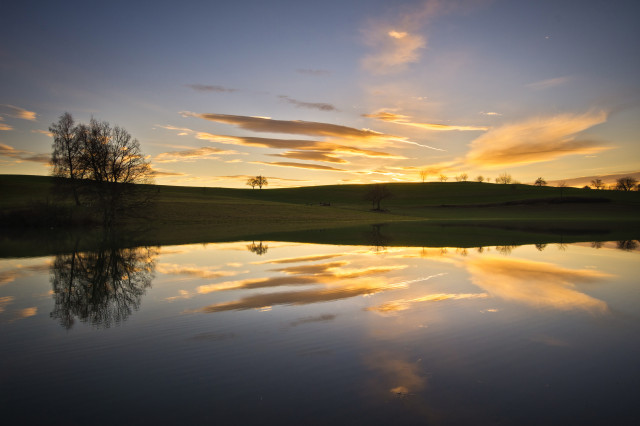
(376,193)
(480,179)
(504,178)
(424,173)
(626,183)
(597,183)
(258,181)
(443,178)
(540,182)
(462,177)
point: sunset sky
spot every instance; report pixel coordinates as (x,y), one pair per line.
(331,92)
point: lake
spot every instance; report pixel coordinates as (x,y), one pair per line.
(259,332)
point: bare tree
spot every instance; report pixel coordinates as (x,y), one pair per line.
(66,156)
(443,178)
(462,177)
(540,182)
(597,183)
(105,165)
(376,194)
(626,183)
(480,179)
(504,178)
(424,173)
(258,181)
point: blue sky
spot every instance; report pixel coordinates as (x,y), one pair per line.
(329,92)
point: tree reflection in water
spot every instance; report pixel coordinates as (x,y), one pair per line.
(102,287)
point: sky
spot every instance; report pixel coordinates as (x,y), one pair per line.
(331,92)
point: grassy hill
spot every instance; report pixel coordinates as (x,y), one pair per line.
(191,214)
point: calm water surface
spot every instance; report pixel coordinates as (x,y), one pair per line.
(286,333)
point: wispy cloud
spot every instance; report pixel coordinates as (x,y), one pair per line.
(206,88)
(491,113)
(406,120)
(316,72)
(310,105)
(396,43)
(535,140)
(299,165)
(43,132)
(307,128)
(549,83)
(20,155)
(297,127)
(325,156)
(164,173)
(6,127)
(204,153)
(17,112)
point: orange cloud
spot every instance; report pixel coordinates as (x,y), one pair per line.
(404,304)
(19,155)
(17,112)
(203,153)
(299,165)
(405,120)
(326,156)
(535,140)
(297,127)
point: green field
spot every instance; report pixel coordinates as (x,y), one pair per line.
(464,213)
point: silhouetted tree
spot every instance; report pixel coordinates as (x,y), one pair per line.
(376,193)
(597,183)
(258,181)
(540,182)
(104,165)
(66,156)
(480,179)
(462,177)
(424,173)
(504,178)
(443,178)
(626,183)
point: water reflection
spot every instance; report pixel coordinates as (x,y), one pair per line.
(101,287)
(258,249)
(536,283)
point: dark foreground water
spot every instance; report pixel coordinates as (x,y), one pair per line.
(285,333)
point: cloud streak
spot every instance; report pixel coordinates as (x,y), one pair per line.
(300,165)
(535,140)
(321,106)
(405,120)
(20,155)
(17,112)
(307,128)
(204,153)
(206,88)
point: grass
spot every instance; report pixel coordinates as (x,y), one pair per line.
(465,213)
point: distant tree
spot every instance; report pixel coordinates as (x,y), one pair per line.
(258,181)
(597,184)
(104,165)
(562,185)
(504,178)
(586,187)
(376,193)
(424,173)
(626,183)
(462,177)
(488,179)
(540,182)
(443,178)
(480,179)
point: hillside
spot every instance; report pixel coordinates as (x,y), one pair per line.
(189,214)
